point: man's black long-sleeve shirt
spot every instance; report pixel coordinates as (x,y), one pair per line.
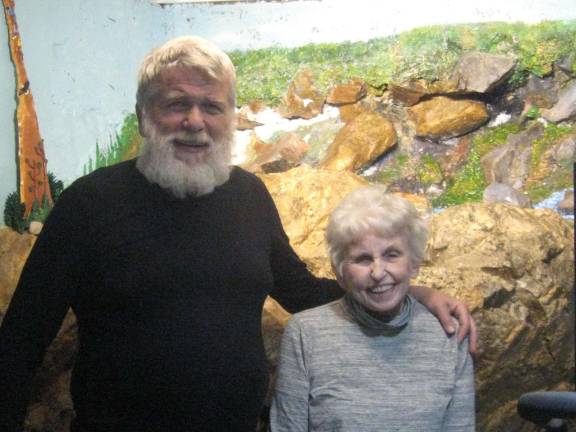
(168,296)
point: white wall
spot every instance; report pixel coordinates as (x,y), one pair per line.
(82,55)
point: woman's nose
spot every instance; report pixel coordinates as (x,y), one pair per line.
(194,120)
(378,270)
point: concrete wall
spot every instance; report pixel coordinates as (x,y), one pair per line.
(82,55)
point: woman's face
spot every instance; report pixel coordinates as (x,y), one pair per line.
(377,272)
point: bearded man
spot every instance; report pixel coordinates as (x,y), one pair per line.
(166,262)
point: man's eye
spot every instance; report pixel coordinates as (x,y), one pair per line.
(176,106)
(213,109)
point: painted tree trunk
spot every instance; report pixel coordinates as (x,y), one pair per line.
(34,186)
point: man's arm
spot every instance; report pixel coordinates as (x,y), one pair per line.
(444,308)
(37,309)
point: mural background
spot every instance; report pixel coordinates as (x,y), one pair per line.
(82,56)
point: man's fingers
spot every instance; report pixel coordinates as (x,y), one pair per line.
(445,318)
(473,341)
(467,327)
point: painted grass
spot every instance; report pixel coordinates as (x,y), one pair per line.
(428,52)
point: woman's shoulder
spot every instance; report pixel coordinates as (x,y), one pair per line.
(326,315)
(424,321)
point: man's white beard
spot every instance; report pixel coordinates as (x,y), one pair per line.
(159,165)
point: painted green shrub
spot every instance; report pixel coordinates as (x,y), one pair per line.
(14,210)
(123,147)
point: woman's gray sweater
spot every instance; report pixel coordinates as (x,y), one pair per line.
(335,376)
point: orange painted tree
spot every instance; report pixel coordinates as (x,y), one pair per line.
(34,186)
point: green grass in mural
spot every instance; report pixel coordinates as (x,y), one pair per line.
(558,180)
(469,183)
(428,52)
(429,171)
(552,134)
(124,146)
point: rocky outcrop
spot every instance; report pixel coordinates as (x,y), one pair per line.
(565,108)
(515,269)
(14,250)
(503,193)
(347,93)
(511,163)
(302,100)
(359,142)
(482,72)
(442,117)
(305,197)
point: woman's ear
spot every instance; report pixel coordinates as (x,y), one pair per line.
(339,277)
(415,270)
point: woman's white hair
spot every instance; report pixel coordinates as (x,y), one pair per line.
(191,52)
(370,210)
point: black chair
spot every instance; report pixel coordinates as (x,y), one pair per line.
(548,409)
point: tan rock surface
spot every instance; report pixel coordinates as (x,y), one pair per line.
(442,117)
(515,269)
(362,140)
(351,111)
(348,93)
(411,92)
(302,100)
(14,250)
(305,197)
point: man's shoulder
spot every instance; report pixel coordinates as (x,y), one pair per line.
(245,182)
(114,183)
(241,176)
(110,174)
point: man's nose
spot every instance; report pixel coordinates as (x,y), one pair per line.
(194,120)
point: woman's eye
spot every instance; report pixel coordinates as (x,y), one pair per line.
(362,259)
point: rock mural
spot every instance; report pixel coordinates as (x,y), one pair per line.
(475,151)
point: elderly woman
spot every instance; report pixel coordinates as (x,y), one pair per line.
(376,360)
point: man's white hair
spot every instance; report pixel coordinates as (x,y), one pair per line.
(190,52)
(371,210)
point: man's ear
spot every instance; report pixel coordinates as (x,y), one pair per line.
(140,116)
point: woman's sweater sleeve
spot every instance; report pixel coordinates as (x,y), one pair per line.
(460,414)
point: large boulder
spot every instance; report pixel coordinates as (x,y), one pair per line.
(304,198)
(515,269)
(513,266)
(361,141)
(443,117)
